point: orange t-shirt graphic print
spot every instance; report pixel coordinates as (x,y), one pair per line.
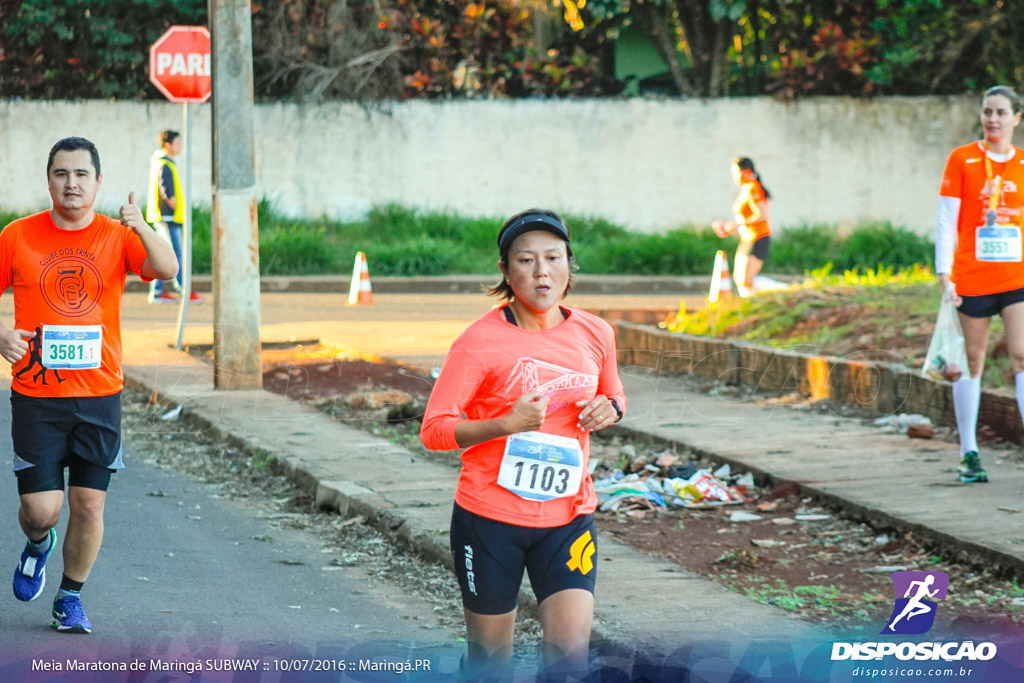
(966,179)
(68,278)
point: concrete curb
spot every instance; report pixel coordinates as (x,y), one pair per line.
(967,551)
(885,387)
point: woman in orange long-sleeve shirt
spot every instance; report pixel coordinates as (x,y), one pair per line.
(521,389)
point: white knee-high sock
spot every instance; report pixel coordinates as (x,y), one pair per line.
(966,400)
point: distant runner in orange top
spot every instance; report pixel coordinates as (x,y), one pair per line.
(978,256)
(67,268)
(521,390)
(750,211)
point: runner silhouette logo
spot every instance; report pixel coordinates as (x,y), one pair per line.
(916,593)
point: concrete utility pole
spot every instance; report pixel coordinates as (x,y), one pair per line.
(237,358)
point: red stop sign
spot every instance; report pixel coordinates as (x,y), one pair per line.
(179,64)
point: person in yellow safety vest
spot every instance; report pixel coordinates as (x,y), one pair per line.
(165,209)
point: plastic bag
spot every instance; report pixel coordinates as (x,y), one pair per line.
(947,355)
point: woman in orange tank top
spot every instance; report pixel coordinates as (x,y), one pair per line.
(750,211)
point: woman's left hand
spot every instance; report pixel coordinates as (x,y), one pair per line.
(596,414)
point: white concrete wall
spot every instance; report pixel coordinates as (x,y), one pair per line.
(649,164)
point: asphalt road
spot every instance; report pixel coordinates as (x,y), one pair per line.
(184,577)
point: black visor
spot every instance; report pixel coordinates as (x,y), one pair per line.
(529,222)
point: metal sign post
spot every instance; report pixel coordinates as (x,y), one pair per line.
(186,246)
(179,66)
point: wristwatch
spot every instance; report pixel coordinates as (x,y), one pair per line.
(618,409)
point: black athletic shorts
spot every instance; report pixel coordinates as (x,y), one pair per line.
(761,247)
(490,557)
(987,305)
(81,434)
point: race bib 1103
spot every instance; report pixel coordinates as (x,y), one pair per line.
(539,466)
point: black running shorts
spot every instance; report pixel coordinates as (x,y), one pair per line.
(50,434)
(761,247)
(490,557)
(987,305)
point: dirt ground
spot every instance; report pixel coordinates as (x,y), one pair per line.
(800,556)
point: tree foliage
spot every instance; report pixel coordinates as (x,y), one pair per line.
(797,48)
(63,49)
(386,49)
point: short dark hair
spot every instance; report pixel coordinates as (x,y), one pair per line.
(503,289)
(168,136)
(73,145)
(1007,92)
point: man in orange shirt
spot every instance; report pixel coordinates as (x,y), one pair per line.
(67,268)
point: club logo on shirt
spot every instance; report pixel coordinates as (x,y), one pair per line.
(547,378)
(71,286)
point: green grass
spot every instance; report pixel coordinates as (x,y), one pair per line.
(399,240)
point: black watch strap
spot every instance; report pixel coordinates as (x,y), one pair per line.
(618,408)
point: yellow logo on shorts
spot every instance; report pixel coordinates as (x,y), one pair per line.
(580,554)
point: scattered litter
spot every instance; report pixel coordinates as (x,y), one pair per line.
(666,460)
(1019,602)
(142,578)
(290,563)
(1009,509)
(648,485)
(881,540)
(768,507)
(767,542)
(746,480)
(171,414)
(159,493)
(812,518)
(784,521)
(741,516)
(885,569)
(898,424)
(920,431)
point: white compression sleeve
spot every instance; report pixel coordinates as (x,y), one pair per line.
(945,233)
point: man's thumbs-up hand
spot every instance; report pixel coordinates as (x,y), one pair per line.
(131,214)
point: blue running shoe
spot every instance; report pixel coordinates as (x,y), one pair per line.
(30,576)
(69,617)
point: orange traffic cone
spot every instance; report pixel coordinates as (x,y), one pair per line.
(359,292)
(721,282)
